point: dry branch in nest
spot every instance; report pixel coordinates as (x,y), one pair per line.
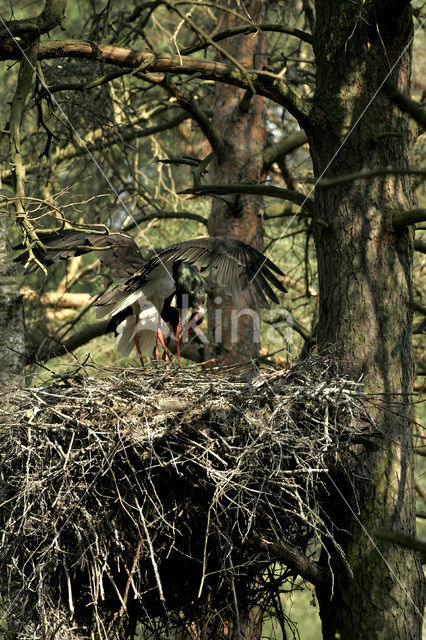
(165,499)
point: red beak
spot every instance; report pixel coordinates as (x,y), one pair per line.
(194,321)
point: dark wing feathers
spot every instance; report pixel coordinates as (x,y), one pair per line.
(124,257)
(261,287)
(117,251)
(232,263)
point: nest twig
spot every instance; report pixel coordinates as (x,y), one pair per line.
(161,499)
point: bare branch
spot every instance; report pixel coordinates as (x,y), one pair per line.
(206,37)
(256,189)
(264,83)
(420,246)
(420,490)
(284,146)
(61,299)
(83,86)
(405,218)
(164,215)
(405,103)
(294,559)
(192,350)
(53,349)
(297,326)
(421,368)
(370,173)
(404,541)
(50,17)
(200,117)
(191,162)
(419,308)
(249,28)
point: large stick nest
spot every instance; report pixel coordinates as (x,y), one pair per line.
(154,499)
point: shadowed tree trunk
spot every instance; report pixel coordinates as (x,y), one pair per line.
(12,345)
(240,119)
(365,278)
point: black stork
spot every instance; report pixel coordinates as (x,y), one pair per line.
(141,323)
(144,284)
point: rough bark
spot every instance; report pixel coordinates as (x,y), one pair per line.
(12,341)
(51,15)
(12,347)
(365,280)
(237,216)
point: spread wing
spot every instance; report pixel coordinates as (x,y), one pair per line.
(117,251)
(234,265)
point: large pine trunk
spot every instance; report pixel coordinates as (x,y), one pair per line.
(240,119)
(365,281)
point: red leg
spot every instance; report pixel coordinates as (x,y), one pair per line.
(166,350)
(156,347)
(196,319)
(138,349)
(160,340)
(176,334)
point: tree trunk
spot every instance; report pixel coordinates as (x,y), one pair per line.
(12,347)
(365,281)
(240,119)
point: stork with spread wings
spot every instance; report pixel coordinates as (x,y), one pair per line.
(147,301)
